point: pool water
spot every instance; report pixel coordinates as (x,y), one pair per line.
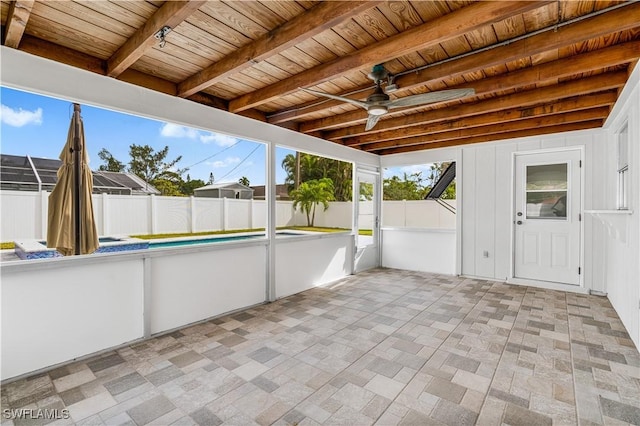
(180,243)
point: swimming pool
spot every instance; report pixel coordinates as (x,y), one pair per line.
(36,249)
(194,241)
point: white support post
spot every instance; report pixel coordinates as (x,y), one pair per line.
(146,297)
(270,192)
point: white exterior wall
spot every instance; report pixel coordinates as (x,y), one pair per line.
(620,234)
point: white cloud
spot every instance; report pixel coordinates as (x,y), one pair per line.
(170,130)
(218,139)
(20,117)
(418,168)
(219,164)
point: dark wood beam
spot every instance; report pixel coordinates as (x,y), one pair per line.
(524,99)
(17,18)
(497,137)
(306,25)
(604,99)
(539,74)
(171,14)
(447,27)
(529,123)
(598,26)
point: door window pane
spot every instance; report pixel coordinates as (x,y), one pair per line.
(546,191)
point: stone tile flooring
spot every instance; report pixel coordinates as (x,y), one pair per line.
(384,347)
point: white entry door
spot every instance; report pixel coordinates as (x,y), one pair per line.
(547,217)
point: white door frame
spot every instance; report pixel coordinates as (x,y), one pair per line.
(376,248)
(544,284)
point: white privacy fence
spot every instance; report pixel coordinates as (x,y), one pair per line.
(24,214)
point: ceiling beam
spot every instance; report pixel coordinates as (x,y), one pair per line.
(170,14)
(444,28)
(313,21)
(17,18)
(538,74)
(494,128)
(584,125)
(603,99)
(621,19)
(524,99)
(71,57)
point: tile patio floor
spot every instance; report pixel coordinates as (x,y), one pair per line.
(383,347)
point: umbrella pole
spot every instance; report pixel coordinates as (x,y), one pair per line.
(77,176)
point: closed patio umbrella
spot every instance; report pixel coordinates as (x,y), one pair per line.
(71,225)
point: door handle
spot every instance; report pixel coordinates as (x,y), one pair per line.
(519,222)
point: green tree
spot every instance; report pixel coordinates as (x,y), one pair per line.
(311,193)
(167,187)
(435,171)
(313,167)
(244,181)
(153,168)
(111,164)
(188,186)
(410,187)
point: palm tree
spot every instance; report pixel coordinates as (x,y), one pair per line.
(314,167)
(244,181)
(309,194)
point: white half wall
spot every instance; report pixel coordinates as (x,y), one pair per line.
(426,250)
(187,286)
(306,262)
(55,314)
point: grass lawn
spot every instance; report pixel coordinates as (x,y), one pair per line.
(236,231)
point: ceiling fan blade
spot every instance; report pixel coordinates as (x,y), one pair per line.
(355,102)
(371,122)
(431,97)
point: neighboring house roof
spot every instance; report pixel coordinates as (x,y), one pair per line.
(225,185)
(130,180)
(25,173)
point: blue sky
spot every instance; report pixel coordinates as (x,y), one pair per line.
(37,125)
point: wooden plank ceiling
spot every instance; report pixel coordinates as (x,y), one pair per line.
(536,66)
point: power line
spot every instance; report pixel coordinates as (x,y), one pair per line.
(217,153)
(240,163)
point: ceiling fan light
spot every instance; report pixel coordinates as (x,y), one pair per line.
(377,110)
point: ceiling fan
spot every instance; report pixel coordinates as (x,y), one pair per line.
(378,103)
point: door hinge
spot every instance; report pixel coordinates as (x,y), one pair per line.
(580,163)
(579,217)
(579,270)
